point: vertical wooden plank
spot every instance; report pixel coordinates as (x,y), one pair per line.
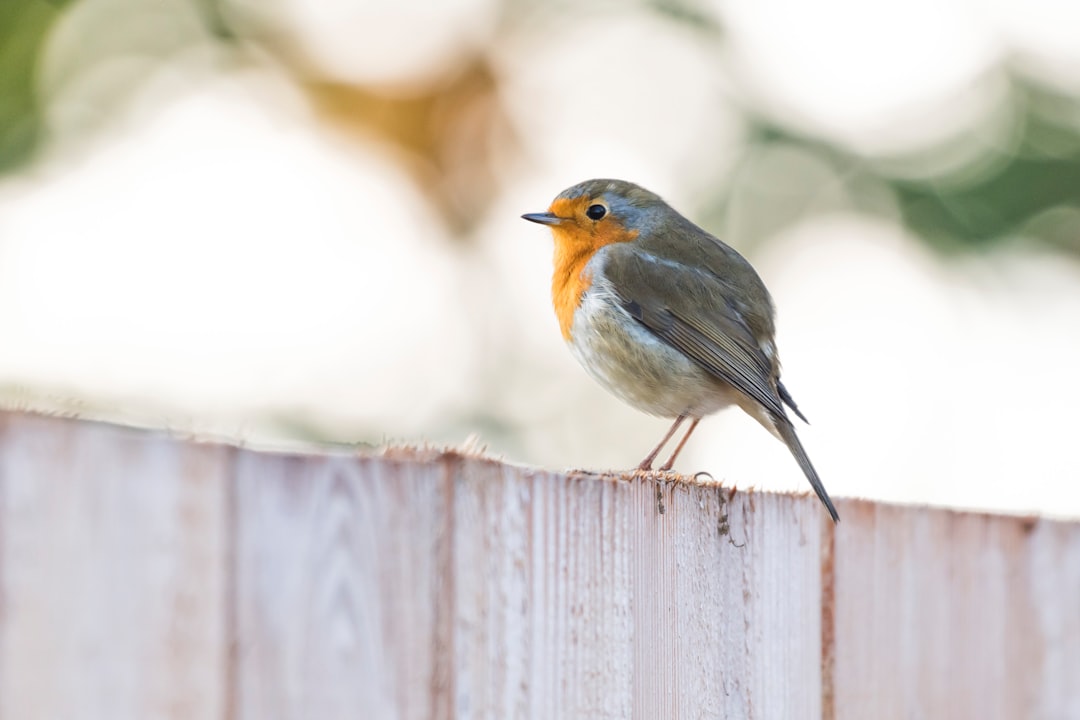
(707,643)
(498,593)
(580,587)
(344,595)
(945,614)
(782,566)
(739,635)
(667,536)
(112,572)
(1052,577)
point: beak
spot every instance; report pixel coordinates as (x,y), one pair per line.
(544,218)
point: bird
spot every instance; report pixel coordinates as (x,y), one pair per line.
(666,316)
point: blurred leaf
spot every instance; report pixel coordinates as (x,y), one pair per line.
(1041,176)
(24,25)
(980,215)
(690,12)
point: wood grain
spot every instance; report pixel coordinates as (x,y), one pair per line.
(112,573)
(948,614)
(144,576)
(494,592)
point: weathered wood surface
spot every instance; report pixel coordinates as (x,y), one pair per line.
(143,576)
(113,572)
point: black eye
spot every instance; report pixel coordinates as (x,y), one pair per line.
(595,212)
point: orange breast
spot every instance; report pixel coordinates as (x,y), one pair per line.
(574,248)
(568,284)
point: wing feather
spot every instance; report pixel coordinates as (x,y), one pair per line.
(696,320)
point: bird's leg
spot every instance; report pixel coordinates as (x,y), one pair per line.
(671,460)
(646,464)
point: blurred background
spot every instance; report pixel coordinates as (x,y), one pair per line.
(297,221)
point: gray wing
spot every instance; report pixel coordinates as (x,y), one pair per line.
(684,243)
(694,317)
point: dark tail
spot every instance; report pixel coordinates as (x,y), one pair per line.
(785,396)
(787,432)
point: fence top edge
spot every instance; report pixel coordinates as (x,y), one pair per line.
(472,451)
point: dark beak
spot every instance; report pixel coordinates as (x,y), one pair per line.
(544,218)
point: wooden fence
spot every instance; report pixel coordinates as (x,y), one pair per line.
(145,576)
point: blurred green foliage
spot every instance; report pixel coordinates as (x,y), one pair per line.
(24,26)
(1030,189)
(1041,174)
(1013,194)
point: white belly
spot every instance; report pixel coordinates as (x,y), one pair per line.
(638,367)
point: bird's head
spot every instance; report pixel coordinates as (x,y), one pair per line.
(595,213)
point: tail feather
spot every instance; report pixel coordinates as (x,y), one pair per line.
(786,398)
(787,434)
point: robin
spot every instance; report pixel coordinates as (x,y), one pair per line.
(664,315)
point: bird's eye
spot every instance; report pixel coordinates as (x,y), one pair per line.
(595,212)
